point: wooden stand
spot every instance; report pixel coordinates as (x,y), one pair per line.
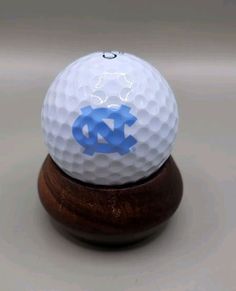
(110,215)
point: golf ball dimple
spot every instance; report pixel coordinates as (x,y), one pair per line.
(109,118)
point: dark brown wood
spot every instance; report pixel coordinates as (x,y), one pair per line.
(110,215)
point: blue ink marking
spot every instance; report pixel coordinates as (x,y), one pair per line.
(115,140)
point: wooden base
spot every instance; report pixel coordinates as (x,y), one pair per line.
(110,215)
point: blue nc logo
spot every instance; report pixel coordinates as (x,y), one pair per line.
(114,140)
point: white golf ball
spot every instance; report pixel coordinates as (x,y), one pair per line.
(109,118)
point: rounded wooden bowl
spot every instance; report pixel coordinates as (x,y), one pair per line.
(110,215)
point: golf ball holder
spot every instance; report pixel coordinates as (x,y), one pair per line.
(110,215)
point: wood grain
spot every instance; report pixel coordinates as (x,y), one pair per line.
(110,215)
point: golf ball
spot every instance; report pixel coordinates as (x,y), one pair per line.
(109,118)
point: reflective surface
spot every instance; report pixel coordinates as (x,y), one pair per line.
(109,118)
